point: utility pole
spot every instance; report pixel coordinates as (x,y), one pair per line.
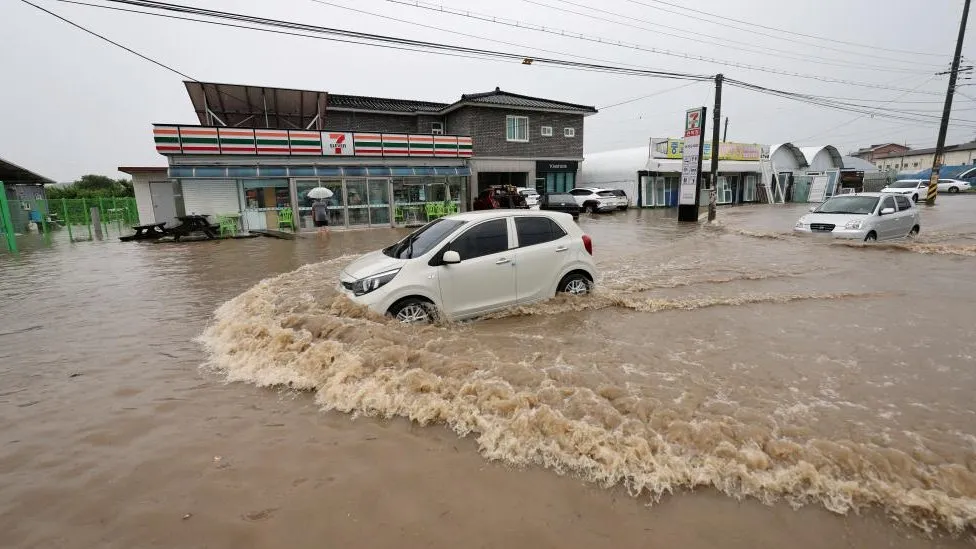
(725,133)
(715,135)
(946,111)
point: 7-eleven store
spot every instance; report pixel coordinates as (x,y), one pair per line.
(377,179)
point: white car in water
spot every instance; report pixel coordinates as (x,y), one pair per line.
(917,189)
(594,200)
(469,264)
(863,216)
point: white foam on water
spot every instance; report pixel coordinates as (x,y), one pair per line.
(563,414)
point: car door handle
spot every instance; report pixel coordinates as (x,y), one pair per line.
(561,249)
(502,261)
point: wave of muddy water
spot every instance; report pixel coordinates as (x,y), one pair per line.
(769,368)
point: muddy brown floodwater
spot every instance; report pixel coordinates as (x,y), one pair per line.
(729,385)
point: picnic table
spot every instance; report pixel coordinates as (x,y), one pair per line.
(192,224)
(151,231)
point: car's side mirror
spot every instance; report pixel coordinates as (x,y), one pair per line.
(887,211)
(451,257)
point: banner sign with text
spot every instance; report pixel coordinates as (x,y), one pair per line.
(691,156)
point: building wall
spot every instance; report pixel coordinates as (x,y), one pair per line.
(822,161)
(487,125)
(211,197)
(918,162)
(891,148)
(140,186)
(370,122)
(425,122)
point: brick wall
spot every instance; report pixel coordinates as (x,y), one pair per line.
(370,122)
(487,128)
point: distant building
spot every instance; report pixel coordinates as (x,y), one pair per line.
(25,191)
(914,160)
(875,151)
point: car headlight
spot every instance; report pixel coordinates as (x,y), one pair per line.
(370,283)
(853,225)
(801,224)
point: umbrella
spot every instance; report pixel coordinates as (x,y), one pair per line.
(319,192)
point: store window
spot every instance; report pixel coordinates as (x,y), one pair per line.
(264,199)
(517,128)
(749,192)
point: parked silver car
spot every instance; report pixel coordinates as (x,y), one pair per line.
(863,216)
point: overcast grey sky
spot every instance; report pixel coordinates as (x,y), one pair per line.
(72,104)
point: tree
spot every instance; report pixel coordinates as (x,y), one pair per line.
(92,186)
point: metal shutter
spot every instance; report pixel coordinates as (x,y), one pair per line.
(211,196)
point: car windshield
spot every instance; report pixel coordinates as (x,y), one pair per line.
(849,205)
(560,198)
(423,239)
(903,185)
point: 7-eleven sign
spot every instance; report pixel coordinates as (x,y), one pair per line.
(337,144)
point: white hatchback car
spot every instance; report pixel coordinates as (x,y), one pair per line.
(917,189)
(863,216)
(469,264)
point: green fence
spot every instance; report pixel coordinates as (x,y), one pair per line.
(73,215)
(7,234)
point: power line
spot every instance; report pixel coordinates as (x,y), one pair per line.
(662,92)
(385,41)
(574,35)
(724,19)
(790,55)
(110,41)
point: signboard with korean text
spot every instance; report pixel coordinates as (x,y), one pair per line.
(691,156)
(726,151)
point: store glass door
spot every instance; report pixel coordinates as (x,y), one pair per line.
(379,202)
(357,202)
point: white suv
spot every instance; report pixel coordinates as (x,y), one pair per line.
(594,200)
(470,264)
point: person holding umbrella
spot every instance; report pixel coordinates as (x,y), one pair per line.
(320,210)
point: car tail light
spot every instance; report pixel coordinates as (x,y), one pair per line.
(588,244)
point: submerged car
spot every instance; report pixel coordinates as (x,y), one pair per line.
(863,216)
(469,264)
(504,196)
(560,202)
(593,200)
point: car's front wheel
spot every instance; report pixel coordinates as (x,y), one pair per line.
(915,198)
(953,190)
(871,237)
(575,284)
(413,310)
(914,232)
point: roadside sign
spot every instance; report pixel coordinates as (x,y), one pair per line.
(691,158)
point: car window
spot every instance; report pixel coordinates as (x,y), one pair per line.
(903,203)
(888,202)
(579,192)
(849,205)
(537,230)
(605,194)
(490,237)
(423,239)
(619,193)
(559,197)
(903,185)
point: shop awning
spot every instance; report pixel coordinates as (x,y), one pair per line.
(247,172)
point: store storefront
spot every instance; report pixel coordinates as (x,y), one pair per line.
(555,176)
(263,177)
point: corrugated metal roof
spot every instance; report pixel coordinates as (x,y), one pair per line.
(12,174)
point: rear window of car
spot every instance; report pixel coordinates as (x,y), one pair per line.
(537,230)
(618,192)
(560,197)
(606,194)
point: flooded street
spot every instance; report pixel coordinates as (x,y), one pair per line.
(726,385)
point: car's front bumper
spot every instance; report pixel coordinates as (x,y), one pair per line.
(378,300)
(839,232)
